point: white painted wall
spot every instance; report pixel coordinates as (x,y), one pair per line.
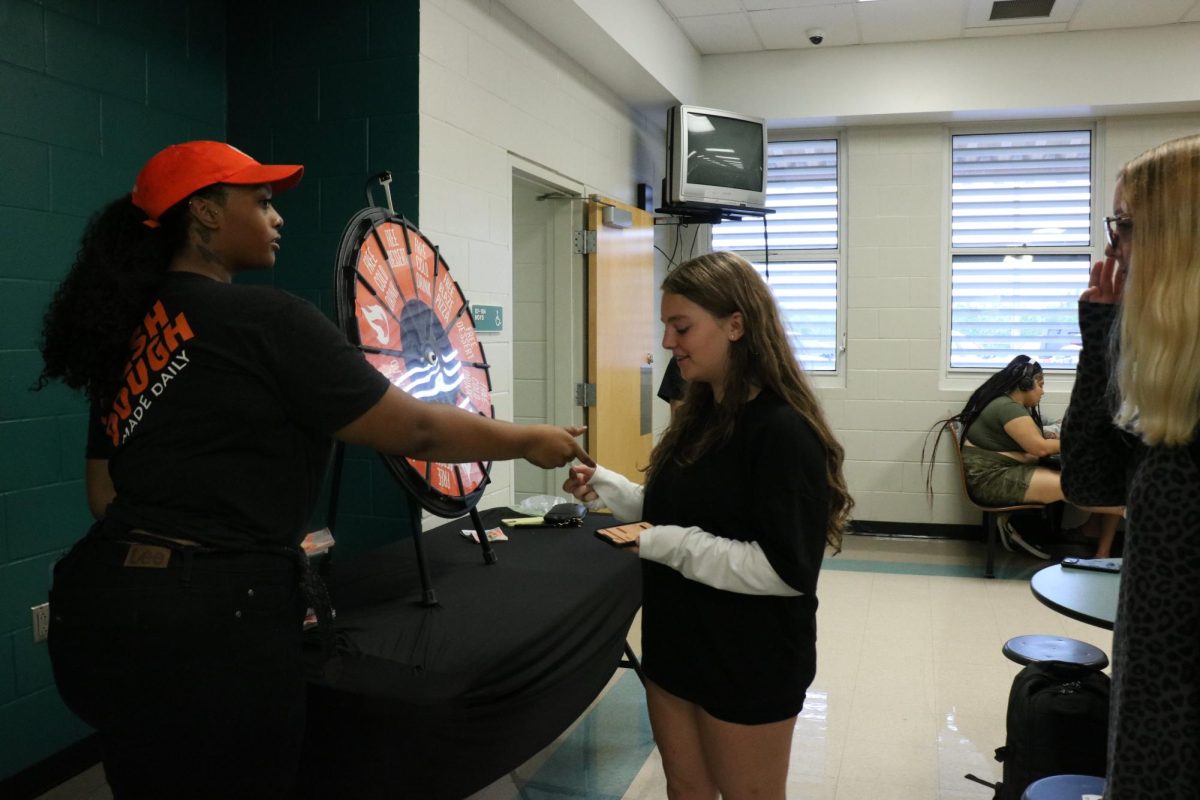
(631,45)
(491,86)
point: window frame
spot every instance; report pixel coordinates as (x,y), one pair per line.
(836,377)
(968,378)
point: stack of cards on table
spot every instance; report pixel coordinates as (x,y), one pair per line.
(317,542)
(623,535)
(493,534)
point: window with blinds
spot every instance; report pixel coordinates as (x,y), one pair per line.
(1021,234)
(803,244)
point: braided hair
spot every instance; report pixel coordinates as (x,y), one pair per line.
(1012,377)
(1020,373)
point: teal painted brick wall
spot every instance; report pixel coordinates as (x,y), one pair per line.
(90,89)
(332,86)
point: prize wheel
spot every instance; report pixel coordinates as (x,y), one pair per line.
(397,301)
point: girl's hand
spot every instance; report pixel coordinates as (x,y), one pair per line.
(1106,283)
(577,483)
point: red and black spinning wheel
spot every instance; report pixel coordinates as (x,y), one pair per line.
(397,301)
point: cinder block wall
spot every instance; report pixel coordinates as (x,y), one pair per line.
(87,91)
(332,86)
(897,384)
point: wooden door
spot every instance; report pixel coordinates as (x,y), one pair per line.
(622,339)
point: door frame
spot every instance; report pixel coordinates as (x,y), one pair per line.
(565,292)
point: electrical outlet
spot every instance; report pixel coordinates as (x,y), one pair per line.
(41,622)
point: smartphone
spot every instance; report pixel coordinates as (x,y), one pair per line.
(623,535)
(1095,564)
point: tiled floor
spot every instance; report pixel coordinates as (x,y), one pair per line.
(909,696)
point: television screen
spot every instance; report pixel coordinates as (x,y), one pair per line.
(723,151)
(715,158)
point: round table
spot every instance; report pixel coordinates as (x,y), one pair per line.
(1085,595)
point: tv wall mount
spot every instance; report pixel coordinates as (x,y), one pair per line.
(694,214)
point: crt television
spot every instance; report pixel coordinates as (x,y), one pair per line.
(715,158)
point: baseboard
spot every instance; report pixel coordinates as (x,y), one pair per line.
(915,530)
(53,771)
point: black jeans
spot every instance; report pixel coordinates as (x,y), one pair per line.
(186,662)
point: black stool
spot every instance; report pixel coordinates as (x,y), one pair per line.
(1035,648)
(1064,787)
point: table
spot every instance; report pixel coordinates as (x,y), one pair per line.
(1085,595)
(437,702)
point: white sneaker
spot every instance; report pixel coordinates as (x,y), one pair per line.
(1004,531)
(1009,536)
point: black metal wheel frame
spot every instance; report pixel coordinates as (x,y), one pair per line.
(418,320)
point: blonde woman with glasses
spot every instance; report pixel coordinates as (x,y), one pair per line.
(1130,438)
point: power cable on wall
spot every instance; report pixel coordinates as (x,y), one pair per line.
(766,252)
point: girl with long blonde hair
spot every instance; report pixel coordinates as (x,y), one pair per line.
(1130,439)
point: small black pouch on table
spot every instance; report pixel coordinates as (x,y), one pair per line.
(565,515)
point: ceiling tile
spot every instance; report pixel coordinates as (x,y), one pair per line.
(1094,14)
(721,26)
(785,29)
(700,8)
(769,5)
(909,20)
(979,14)
(721,33)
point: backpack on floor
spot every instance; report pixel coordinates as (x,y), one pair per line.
(1057,725)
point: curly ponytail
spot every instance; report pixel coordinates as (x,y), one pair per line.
(94,311)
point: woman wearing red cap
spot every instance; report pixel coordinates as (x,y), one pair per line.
(176,621)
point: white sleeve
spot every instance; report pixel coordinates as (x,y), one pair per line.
(715,561)
(621,495)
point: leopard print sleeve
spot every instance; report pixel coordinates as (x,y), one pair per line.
(1096,455)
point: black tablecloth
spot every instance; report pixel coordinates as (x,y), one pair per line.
(438,702)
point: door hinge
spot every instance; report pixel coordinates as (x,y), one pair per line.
(585,394)
(585,242)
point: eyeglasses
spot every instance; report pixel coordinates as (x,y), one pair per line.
(1114,227)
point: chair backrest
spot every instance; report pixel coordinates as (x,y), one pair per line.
(954,428)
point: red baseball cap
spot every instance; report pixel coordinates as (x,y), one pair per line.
(183,169)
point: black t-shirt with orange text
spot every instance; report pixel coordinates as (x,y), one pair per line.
(221,430)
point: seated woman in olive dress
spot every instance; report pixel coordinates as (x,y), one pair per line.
(1003,439)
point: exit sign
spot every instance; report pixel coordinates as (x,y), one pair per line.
(488,319)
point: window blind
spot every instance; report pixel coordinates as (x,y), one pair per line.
(802,188)
(1022,190)
(1021,222)
(806,292)
(1002,306)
